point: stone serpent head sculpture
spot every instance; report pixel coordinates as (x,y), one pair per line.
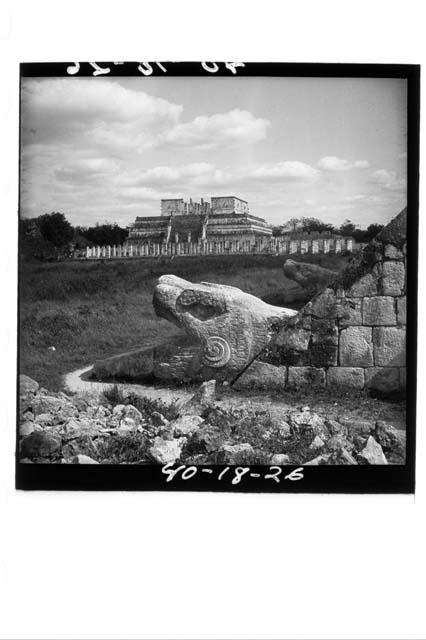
(311,277)
(228,327)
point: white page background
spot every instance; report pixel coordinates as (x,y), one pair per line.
(157,565)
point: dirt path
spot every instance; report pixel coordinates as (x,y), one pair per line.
(356,408)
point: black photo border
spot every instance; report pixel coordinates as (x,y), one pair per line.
(322,479)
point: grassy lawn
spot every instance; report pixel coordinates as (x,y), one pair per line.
(88,310)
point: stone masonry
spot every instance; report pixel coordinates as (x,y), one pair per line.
(353,333)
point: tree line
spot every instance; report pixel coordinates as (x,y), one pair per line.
(314,225)
(52,237)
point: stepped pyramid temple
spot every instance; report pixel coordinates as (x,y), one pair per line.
(225,219)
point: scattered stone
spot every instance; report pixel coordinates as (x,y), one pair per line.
(26,428)
(158,420)
(40,444)
(235,453)
(76,428)
(28,415)
(46,404)
(44,419)
(336,428)
(322,459)
(348,457)
(164,451)
(373,452)
(317,443)
(390,438)
(338,442)
(185,425)
(280,459)
(309,420)
(82,459)
(27,385)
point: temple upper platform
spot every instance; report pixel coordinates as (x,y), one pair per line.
(223,218)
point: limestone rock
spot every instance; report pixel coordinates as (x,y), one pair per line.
(235,453)
(378,311)
(401,306)
(27,385)
(44,419)
(383,379)
(364,286)
(82,459)
(319,460)
(302,377)
(164,451)
(202,398)
(356,348)
(390,438)
(26,428)
(185,425)
(280,459)
(158,420)
(389,346)
(46,404)
(393,281)
(373,452)
(40,444)
(262,375)
(310,277)
(345,377)
(77,428)
(317,443)
(309,420)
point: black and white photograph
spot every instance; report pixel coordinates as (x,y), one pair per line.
(217,264)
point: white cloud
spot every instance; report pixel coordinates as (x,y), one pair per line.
(388,180)
(361,164)
(332,163)
(233,128)
(289,170)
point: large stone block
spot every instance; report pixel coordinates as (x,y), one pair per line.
(350,377)
(261,375)
(401,307)
(393,252)
(389,346)
(356,348)
(384,379)
(378,311)
(299,377)
(350,312)
(364,286)
(325,305)
(393,278)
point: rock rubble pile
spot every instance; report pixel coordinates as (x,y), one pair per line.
(62,429)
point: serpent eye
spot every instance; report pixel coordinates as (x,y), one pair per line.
(200,305)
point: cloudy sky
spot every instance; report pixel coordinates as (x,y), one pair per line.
(108,149)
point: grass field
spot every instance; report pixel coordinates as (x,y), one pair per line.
(89,310)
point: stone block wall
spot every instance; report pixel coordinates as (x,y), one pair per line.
(353,333)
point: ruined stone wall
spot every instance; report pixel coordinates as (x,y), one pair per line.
(353,333)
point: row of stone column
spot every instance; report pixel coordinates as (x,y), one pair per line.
(270,245)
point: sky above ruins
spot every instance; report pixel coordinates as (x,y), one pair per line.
(108,149)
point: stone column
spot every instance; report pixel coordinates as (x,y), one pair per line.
(338,245)
(326,245)
(315,246)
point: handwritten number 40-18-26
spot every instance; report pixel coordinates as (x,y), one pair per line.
(186,473)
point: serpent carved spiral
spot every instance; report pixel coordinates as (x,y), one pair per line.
(217,352)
